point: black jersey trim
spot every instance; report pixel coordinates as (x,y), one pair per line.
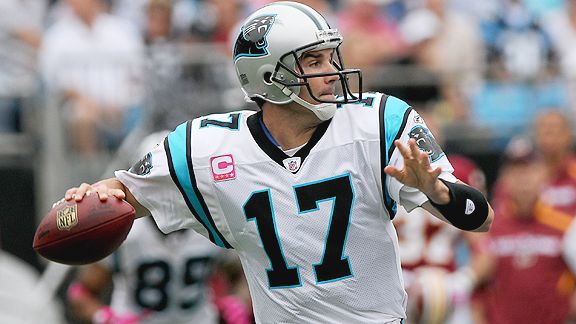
(388,202)
(274,152)
(400,131)
(211,228)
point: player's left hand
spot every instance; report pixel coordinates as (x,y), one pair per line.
(417,172)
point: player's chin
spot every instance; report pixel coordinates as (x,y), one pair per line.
(328,97)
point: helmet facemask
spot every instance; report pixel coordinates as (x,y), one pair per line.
(290,77)
(266,57)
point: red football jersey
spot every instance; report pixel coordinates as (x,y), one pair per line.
(427,241)
(532,283)
(561,192)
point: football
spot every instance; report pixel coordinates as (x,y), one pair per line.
(77,233)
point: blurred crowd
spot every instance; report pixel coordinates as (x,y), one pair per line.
(109,64)
(523,270)
(499,67)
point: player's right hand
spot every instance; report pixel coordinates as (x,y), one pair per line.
(103,191)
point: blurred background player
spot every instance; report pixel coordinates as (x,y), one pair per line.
(438,277)
(554,140)
(155,278)
(522,255)
(232,296)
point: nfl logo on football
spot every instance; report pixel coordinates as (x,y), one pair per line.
(67,218)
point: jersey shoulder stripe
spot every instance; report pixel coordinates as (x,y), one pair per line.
(178,154)
(393,116)
(396,114)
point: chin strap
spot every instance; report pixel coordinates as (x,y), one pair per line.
(323,111)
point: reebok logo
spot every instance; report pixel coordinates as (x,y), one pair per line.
(470,207)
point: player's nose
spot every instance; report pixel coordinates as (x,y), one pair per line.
(333,77)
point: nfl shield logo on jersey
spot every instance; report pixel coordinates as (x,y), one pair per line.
(292,164)
(223,167)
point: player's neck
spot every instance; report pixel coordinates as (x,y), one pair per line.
(290,126)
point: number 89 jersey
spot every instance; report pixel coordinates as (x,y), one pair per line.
(313,230)
(164,278)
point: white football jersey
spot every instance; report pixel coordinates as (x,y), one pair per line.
(313,230)
(164,278)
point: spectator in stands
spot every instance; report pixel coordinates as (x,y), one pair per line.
(184,14)
(555,148)
(523,256)
(164,62)
(216,20)
(449,44)
(93,60)
(561,26)
(517,42)
(158,26)
(182,81)
(373,38)
(520,81)
(445,41)
(20,33)
(325,7)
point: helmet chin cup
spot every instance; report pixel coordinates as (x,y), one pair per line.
(323,111)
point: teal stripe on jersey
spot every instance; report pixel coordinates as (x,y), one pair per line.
(177,143)
(395,117)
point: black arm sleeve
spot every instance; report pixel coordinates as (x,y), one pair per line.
(467,209)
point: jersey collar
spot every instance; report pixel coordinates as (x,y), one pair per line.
(273,151)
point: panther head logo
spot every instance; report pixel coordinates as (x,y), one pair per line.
(252,40)
(144,166)
(426,142)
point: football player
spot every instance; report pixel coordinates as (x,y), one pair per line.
(156,278)
(304,189)
(527,254)
(438,284)
(554,141)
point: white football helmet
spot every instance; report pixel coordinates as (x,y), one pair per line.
(431,302)
(266,55)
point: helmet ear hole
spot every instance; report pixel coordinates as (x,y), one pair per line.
(268,78)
